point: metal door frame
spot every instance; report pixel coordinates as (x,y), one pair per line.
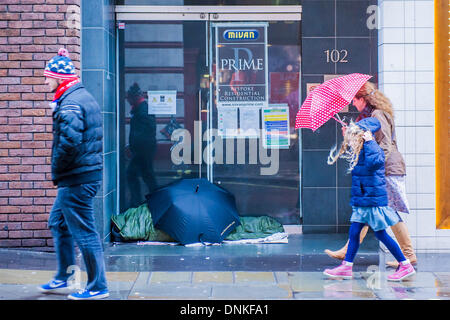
(212,13)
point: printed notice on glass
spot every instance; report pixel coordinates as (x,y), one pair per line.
(249,122)
(162,102)
(227,122)
(241,64)
(276,126)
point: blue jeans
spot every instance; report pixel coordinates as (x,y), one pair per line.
(72,218)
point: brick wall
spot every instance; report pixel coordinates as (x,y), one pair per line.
(31,32)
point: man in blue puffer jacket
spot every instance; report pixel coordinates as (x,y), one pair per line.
(77,172)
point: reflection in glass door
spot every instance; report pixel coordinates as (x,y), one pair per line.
(162,72)
(174,123)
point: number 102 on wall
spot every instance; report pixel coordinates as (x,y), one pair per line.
(336,56)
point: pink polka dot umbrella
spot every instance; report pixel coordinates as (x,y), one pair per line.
(326,100)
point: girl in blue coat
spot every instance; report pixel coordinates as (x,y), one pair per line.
(369,198)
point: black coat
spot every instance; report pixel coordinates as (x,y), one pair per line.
(142,130)
(77,153)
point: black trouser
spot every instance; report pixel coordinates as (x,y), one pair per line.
(141,165)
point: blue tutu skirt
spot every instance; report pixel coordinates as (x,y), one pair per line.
(378,218)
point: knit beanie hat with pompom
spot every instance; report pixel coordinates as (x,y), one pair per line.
(60,66)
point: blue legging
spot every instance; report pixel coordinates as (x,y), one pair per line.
(353,245)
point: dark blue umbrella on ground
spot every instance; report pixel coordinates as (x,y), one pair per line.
(194,210)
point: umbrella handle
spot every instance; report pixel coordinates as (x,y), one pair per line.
(339,120)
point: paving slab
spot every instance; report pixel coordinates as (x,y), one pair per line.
(170,277)
(17,276)
(335,295)
(443,278)
(26,292)
(405,293)
(420,279)
(306,281)
(171,291)
(246,292)
(212,277)
(254,278)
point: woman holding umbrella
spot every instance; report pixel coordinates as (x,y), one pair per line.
(370,102)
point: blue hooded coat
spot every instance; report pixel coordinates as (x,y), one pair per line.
(368,176)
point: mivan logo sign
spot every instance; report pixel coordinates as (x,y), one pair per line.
(241,35)
(241,77)
(241,60)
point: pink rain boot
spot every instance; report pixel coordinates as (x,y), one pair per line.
(344,271)
(404,270)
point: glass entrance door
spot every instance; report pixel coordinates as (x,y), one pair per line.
(162,93)
(200,98)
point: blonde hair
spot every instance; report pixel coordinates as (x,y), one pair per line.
(375,98)
(350,147)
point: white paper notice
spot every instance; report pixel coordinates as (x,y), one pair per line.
(162,102)
(227,123)
(249,121)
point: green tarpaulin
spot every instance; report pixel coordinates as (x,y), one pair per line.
(136,224)
(255,228)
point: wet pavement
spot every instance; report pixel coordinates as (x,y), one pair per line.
(291,271)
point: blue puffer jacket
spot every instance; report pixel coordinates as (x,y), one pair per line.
(368,176)
(77,155)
